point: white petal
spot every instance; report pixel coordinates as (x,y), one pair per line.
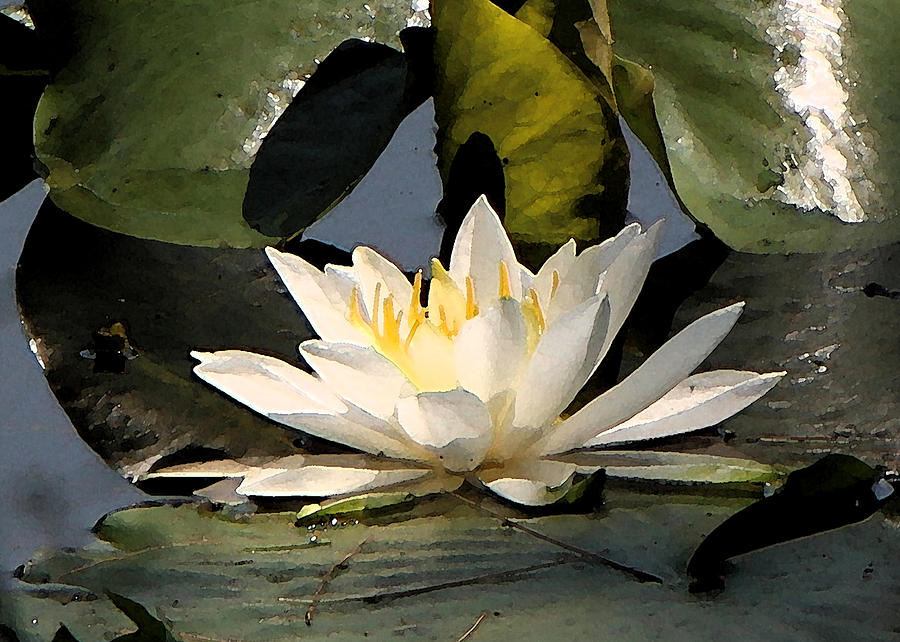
(480,246)
(455,425)
(357,429)
(661,372)
(359,374)
(581,279)
(625,277)
(533,483)
(697,402)
(322,297)
(671,466)
(221,468)
(491,349)
(560,262)
(323,481)
(265,384)
(372,269)
(564,359)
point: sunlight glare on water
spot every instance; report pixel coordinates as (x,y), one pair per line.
(815,83)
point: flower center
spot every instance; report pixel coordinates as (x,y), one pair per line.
(416,337)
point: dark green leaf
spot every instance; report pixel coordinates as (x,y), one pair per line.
(23,75)
(150,629)
(151,126)
(328,137)
(115,318)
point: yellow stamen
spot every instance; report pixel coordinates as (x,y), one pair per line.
(471,307)
(555,285)
(505,289)
(539,314)
(443,314)
(412,332)
(415,303)
(375,307)
(391,333)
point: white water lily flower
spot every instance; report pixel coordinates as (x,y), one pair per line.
(472,385)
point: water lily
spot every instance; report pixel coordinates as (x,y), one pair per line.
(473,385)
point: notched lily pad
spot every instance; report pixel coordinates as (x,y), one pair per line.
(114,319)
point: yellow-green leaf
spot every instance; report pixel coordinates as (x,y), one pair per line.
(564,159)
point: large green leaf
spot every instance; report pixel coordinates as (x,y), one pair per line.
(564,159)
(433,576)
(151,126)
(778,119)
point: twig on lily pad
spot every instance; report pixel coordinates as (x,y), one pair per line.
(323,585)
(638,574)
(467,634)
(487,578)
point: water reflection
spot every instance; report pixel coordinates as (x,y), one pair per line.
(815,84)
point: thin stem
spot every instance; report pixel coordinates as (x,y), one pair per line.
(465,636)
(323,585)
(488,578)
(639,575)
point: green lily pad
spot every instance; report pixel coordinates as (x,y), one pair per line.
(434,576)
(778,122)
(828,320)
(151,126)
(114,319)
(565,162)
(357,505)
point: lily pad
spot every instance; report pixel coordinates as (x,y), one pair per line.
(565,161)
(777,118)
(151,126)
(829,321)
(329,136)
(262,578)
(114,318)
(835,491)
